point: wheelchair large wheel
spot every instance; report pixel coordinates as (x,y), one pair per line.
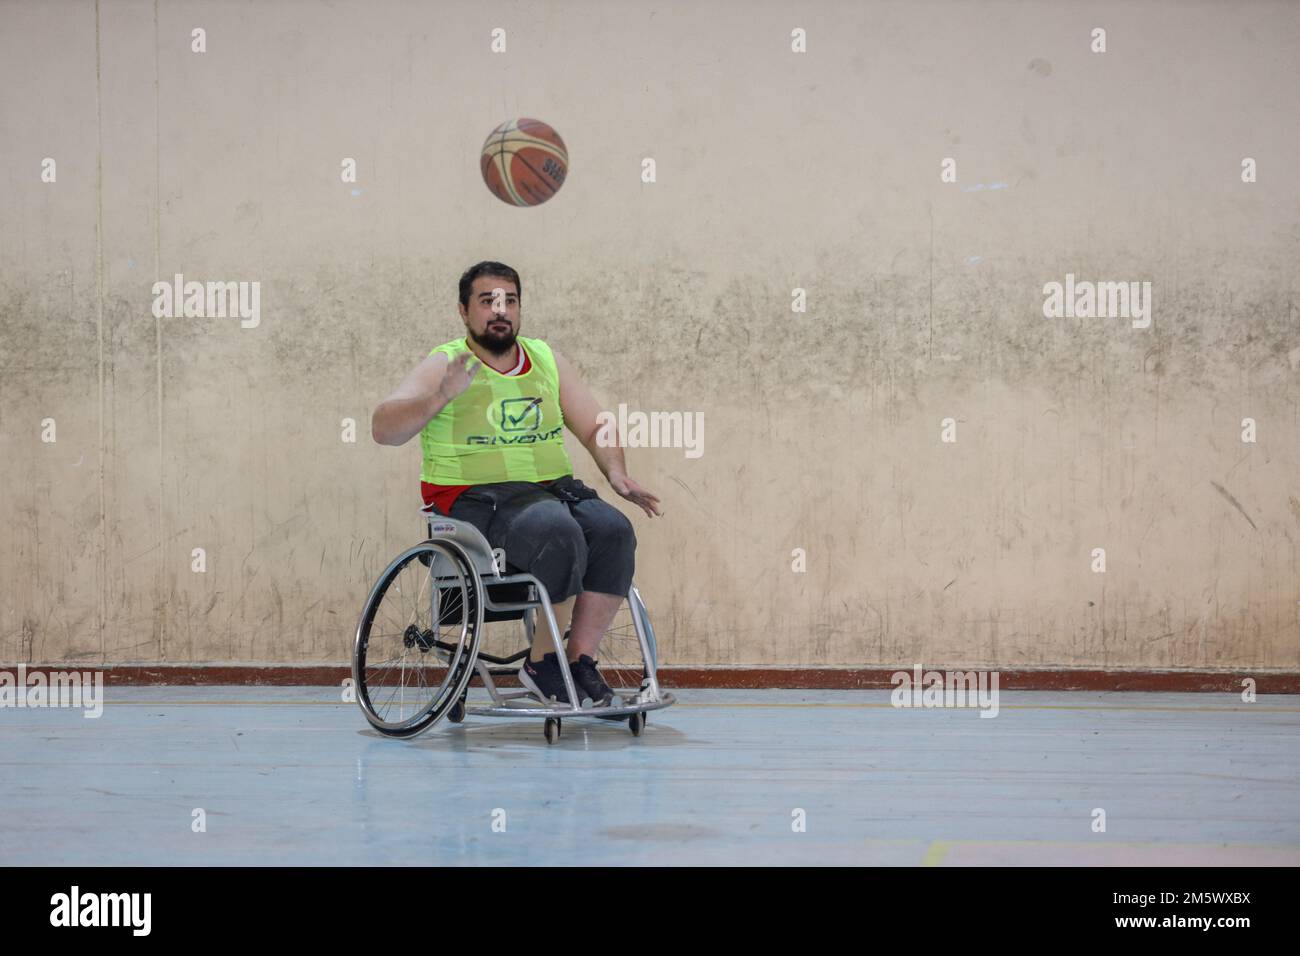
(417,639)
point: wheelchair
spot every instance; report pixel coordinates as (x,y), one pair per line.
(417,644)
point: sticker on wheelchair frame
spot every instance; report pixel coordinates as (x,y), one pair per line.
(442,528)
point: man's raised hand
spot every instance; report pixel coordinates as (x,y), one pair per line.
(457,377)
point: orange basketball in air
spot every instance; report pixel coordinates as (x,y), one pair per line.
(524,162)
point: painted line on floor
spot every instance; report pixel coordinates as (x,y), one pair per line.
(938,850)
(732,704)
(935,853)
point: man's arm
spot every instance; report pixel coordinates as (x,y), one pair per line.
(581,411)
(403,414)
(581,414)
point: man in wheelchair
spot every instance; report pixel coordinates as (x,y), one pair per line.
(490,410)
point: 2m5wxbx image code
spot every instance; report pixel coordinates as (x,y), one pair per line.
(1236,897)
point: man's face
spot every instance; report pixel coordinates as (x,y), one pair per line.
(492,316)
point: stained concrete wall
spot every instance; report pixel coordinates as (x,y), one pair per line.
(775,171)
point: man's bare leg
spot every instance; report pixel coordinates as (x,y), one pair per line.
(541,647)
(592,614)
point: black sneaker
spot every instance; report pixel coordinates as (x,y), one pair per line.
(589,683)
(544,679)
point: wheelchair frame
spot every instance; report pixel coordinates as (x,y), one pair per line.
(466,540)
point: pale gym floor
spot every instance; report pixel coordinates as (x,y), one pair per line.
(291,775)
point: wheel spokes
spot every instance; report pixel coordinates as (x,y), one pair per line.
(420,607)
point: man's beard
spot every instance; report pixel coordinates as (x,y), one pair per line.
(498,343)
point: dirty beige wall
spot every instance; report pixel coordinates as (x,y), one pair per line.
(775,170)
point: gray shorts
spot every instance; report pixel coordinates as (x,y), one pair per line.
(561,533)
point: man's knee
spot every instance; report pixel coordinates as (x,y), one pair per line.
(611,528)
(544,541)
(611,550)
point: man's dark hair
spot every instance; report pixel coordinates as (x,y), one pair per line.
(498,269)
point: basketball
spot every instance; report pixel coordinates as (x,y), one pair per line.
(524,162)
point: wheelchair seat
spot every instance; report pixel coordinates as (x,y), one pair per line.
(467,536)
(480,554)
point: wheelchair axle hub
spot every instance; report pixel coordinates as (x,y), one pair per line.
(414,637)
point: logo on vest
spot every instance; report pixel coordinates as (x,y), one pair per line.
(520,418)
(526,439)
(520,415)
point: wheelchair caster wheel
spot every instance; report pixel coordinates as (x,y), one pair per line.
(552,729)
(457,712)
(635,722)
